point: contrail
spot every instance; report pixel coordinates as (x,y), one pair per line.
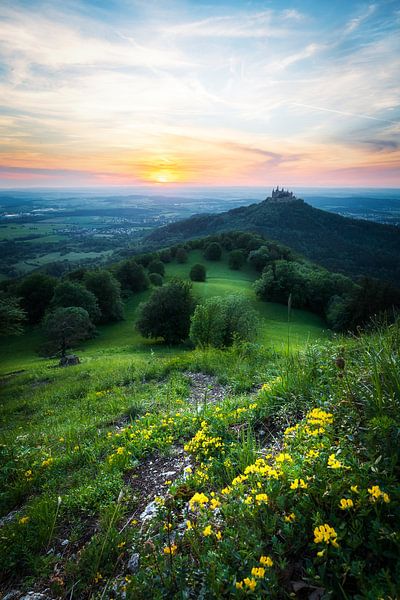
(341,112)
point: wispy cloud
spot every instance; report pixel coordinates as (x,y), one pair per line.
(222,92)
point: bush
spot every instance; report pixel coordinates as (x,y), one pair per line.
(132,276)
(213,251)
(236,259)
(156,266)
(108,293)
(68,293)
(181,255)
(220,321)
(36,292)
(156,279)
(167,312)
(198,272)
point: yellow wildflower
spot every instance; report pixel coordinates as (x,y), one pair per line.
(261,498)
(28,474)
(258,572)
(298,483)
(23,520)
(377,493)
(326,534)
(218,535)
(47,462)
(346,503)
(198,498)
(214,503)
(354,488)
(207,531)
(170,549)
(266,561)
(250,583)
(290,518)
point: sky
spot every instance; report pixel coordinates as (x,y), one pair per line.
(189,92)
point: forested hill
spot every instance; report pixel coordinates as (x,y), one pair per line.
(350,246)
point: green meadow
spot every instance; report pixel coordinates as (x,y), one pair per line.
(121,338)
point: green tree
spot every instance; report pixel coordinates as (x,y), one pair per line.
(36,292)
(220,321)
(12,316)
(181,255)
(167,312)
(108,293)
(198,272)
(69,293)
(132,276)
(156,279)
(236,259)
(156,266)
(66,327)
(213,251)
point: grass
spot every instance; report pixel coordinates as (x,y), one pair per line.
(122,338)
(76,444)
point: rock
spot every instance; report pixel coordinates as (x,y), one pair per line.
(12,595)
(133,563)
(35,596)
(65,543)
(149,512)
(8,518)
(69,360)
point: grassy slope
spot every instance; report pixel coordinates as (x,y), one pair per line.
(122,338)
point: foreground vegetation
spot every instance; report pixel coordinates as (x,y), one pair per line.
(286,484)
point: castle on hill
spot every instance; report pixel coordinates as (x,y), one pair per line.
(282,196)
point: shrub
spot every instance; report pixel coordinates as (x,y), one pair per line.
(213,251)
(156,279)
(236,259)
(167,312)
(108,293)
(220,321)
(156,266)
(181,255)
(36,292)
(132,276)
(68,293)
(198,272)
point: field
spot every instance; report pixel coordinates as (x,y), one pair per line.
(122,338)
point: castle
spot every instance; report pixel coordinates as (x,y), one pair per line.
(282,196)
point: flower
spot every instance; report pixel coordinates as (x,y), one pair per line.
(377,493)
(266,561)
(28,474)
(345,503)
(258,572)
(250,583)
(121,545)
(23,520)
(354,488)
(298,483)
(239,585)
(207,531)
(98,577)
(218,535)
(334,463)
(170,549)
(261,498)
(290,518)
(47,462)
(198,498)
(326,534)
(189,525)
(214,503)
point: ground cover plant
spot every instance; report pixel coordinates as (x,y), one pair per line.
(285,484)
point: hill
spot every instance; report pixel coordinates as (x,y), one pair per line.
(341,244)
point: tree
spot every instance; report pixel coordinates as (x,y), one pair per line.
(213,251)
(36,292)
(198,272)
(220,321)
(12,316)
(66,327)
(165,255)
(132,276)
(156,279)
(108,293)
(156,266)
(181,255)
(69,293)
(236,259)
(167,312)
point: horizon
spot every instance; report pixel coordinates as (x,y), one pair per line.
(116,94)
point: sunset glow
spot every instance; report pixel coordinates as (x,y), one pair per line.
(230,93)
